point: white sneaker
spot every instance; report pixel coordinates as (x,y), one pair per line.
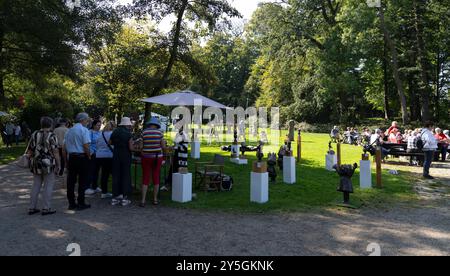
(108,195)
(89,192)
(164,189)
(98,191)
(126,202)
(115,202)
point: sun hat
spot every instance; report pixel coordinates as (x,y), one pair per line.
(125,122)
(154,121)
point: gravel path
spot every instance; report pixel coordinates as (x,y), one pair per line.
(106,230)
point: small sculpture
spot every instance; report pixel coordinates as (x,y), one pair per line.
(288,146)
(291,131)
(259,153)
(346,186)
(271,163)
(235,142)
(243,150)
(281,154)
(181,146)
(330,149)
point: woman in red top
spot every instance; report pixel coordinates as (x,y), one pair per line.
(443,141)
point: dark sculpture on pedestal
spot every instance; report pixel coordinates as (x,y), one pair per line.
(346,186)
(271,163)
(259,153)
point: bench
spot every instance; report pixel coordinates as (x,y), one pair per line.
(398,150)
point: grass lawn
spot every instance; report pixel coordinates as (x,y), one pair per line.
(315,187)
(10,154)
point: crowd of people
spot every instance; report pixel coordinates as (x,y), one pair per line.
(12,133)
(427,140)
(88,148)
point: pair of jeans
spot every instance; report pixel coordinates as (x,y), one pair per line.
(121,166)
(443,152)
(78,168)
(93,173)
(105,165)
(63,162)
(429,156)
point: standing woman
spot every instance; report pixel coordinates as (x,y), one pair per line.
(122,140)
(93,166)
(104,157)
(45,163)
(152,158)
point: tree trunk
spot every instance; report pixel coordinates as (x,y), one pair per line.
(395,68)
(386,83)
(2,88)
(2,93)
(438,86)
(173,56)
(422,61)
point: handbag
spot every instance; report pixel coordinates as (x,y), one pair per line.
(24,160)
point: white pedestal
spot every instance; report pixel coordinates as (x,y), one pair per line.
(182,187)
(259,187)
(239,161)
(289,170)
(365,174)
(330,161)
(195,150)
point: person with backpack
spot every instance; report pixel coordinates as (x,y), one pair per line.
(45,163)
(104,157)
(430,145)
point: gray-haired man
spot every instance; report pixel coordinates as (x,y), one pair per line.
(77,154)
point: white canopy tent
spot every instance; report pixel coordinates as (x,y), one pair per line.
(184,98)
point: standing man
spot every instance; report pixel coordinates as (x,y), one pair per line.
(77,153)
(60,133)
(430,145)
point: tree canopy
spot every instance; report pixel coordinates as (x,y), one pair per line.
(320,61)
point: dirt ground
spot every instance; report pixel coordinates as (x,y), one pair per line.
(422,229)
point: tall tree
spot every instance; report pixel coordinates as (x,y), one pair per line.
(210,12)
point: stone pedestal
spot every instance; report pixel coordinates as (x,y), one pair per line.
(182,187)
(330,161)
(365,174)
(289,170)
(259,187)
(195,150)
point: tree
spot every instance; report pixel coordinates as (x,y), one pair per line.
(39,37)
(210,12)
